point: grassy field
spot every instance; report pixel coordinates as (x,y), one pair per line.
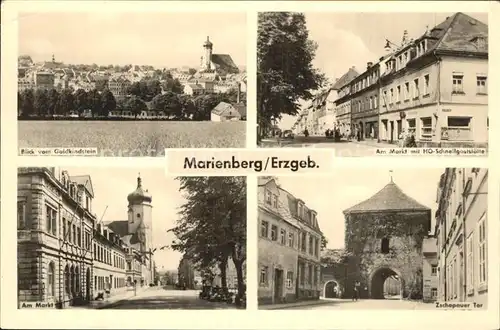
(137,138)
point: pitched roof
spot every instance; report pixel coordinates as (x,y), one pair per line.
(241,108)
(85,181)
(457,33)
(195,86)
(225,63)
(389,198)
(222,108)
(120,227)
(345,79)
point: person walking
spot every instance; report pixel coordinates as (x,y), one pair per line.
(356,290)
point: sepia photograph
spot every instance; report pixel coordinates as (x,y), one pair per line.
(378,240)
(131,84)
(113,238)
(358,82)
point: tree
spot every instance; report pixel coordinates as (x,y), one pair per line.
(284,65)
(101,84)
(95,102)
(212,223)
(27,103)
(136,105)
(41,102)
(170,103)
(81,100)
(204,105)
(172,85)
(66,101)
(108,102)
(188,107)
(53,102)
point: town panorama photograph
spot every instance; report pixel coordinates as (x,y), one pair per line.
(129,238)
(357,82)
(118,83)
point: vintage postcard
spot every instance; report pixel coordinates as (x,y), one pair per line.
(380,240)
(94,238)
(119,84)
(417,80)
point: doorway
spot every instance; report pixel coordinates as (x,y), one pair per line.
(87,285)
(392,131)
(278,284)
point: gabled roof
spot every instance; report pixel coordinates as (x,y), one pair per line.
(223,108)
(120,227)
(345,79)
(225,63)
(83,180)
(389,198)
(457,33)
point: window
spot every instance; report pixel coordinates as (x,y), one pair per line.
(412,125)
(74,234)
(434,270)
(311,238)
(385,98)
(407,91)
(283,236)
(264,229)
(263,276)
(310,274)
(398,94)
(481,82)
(302,273)
(269,197)
(458,87)
(275,201)
(375,103)
(384,248)
(291,240)
(51,286)
(65,229)
(289,280)
(391,96)
(304,242)
(79,237)
(299,210)
(434,293)
(426,130)
(416,89)
(274,233)
(483,271)
(426,84)
(51,220)
(21,215)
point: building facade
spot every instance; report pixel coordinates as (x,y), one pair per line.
(461,232)
(343,102)
(436,86)
(289,244)
(429,270)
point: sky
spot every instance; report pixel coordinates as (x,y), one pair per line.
(158,39)
(111,188)
(353,39)
(331,195)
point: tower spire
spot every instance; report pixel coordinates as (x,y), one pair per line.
(390,174)
(139,181)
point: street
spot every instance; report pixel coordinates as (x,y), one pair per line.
(391,304)
(159,298)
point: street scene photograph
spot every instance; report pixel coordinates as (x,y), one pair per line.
(119,83)
(123,238)
(380,240)
(358,82)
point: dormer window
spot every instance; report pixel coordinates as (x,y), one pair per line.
(479,42)
(269,197)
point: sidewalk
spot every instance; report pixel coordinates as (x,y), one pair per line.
(99,304)
(298,304)
(374,143)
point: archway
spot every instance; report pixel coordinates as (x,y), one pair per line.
(386,283)
(331,289)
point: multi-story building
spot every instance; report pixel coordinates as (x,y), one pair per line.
(429,269)
(44,80)
(461,233)
(343,102)
(289,244)
(364,92)
(436,85)
(55,232)
(119,87)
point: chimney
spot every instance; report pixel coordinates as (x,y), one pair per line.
(369,65)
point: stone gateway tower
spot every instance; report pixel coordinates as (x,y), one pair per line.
(384,236)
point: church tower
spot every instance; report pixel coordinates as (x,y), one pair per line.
(140,215)
(207,54)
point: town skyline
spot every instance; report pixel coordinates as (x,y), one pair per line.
(349,187)
(359,41)
(40,38)
(111,189)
